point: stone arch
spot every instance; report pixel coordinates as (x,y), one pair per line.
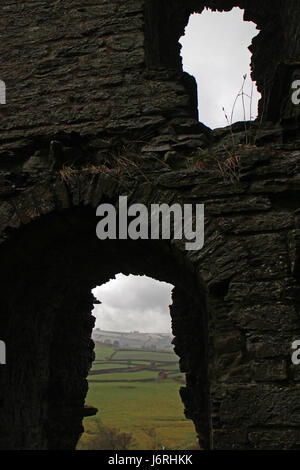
(49,266)
(244,283)
(247,276)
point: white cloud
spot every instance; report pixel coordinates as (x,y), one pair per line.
(215,51)
(133,303)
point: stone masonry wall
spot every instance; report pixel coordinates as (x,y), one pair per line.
(110,72)
(249,266)
(97,107)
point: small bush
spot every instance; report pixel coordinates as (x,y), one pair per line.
(107,438)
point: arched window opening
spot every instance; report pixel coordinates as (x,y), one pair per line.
(215,51)
(135,378)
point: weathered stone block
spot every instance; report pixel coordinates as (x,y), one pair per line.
(294,251)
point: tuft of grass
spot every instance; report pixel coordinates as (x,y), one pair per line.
(67,173)
(230,168)
(241,94)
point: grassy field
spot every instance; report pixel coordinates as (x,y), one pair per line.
(144,355)
(126,376)
(139,402)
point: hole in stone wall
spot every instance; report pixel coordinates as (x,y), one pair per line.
(135,378)
(215,51)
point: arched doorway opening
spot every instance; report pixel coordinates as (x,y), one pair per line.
(135,379)
(49,268)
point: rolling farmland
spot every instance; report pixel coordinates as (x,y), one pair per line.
(137,393)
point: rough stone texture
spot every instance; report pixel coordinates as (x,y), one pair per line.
(98,107)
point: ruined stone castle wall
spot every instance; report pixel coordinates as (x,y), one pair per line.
(97,107)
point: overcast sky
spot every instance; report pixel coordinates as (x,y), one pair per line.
(215,51)
(133,303)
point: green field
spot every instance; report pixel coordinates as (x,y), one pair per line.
(142,400)
(108,365)
(144,355)
(126,375)
(103,351)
